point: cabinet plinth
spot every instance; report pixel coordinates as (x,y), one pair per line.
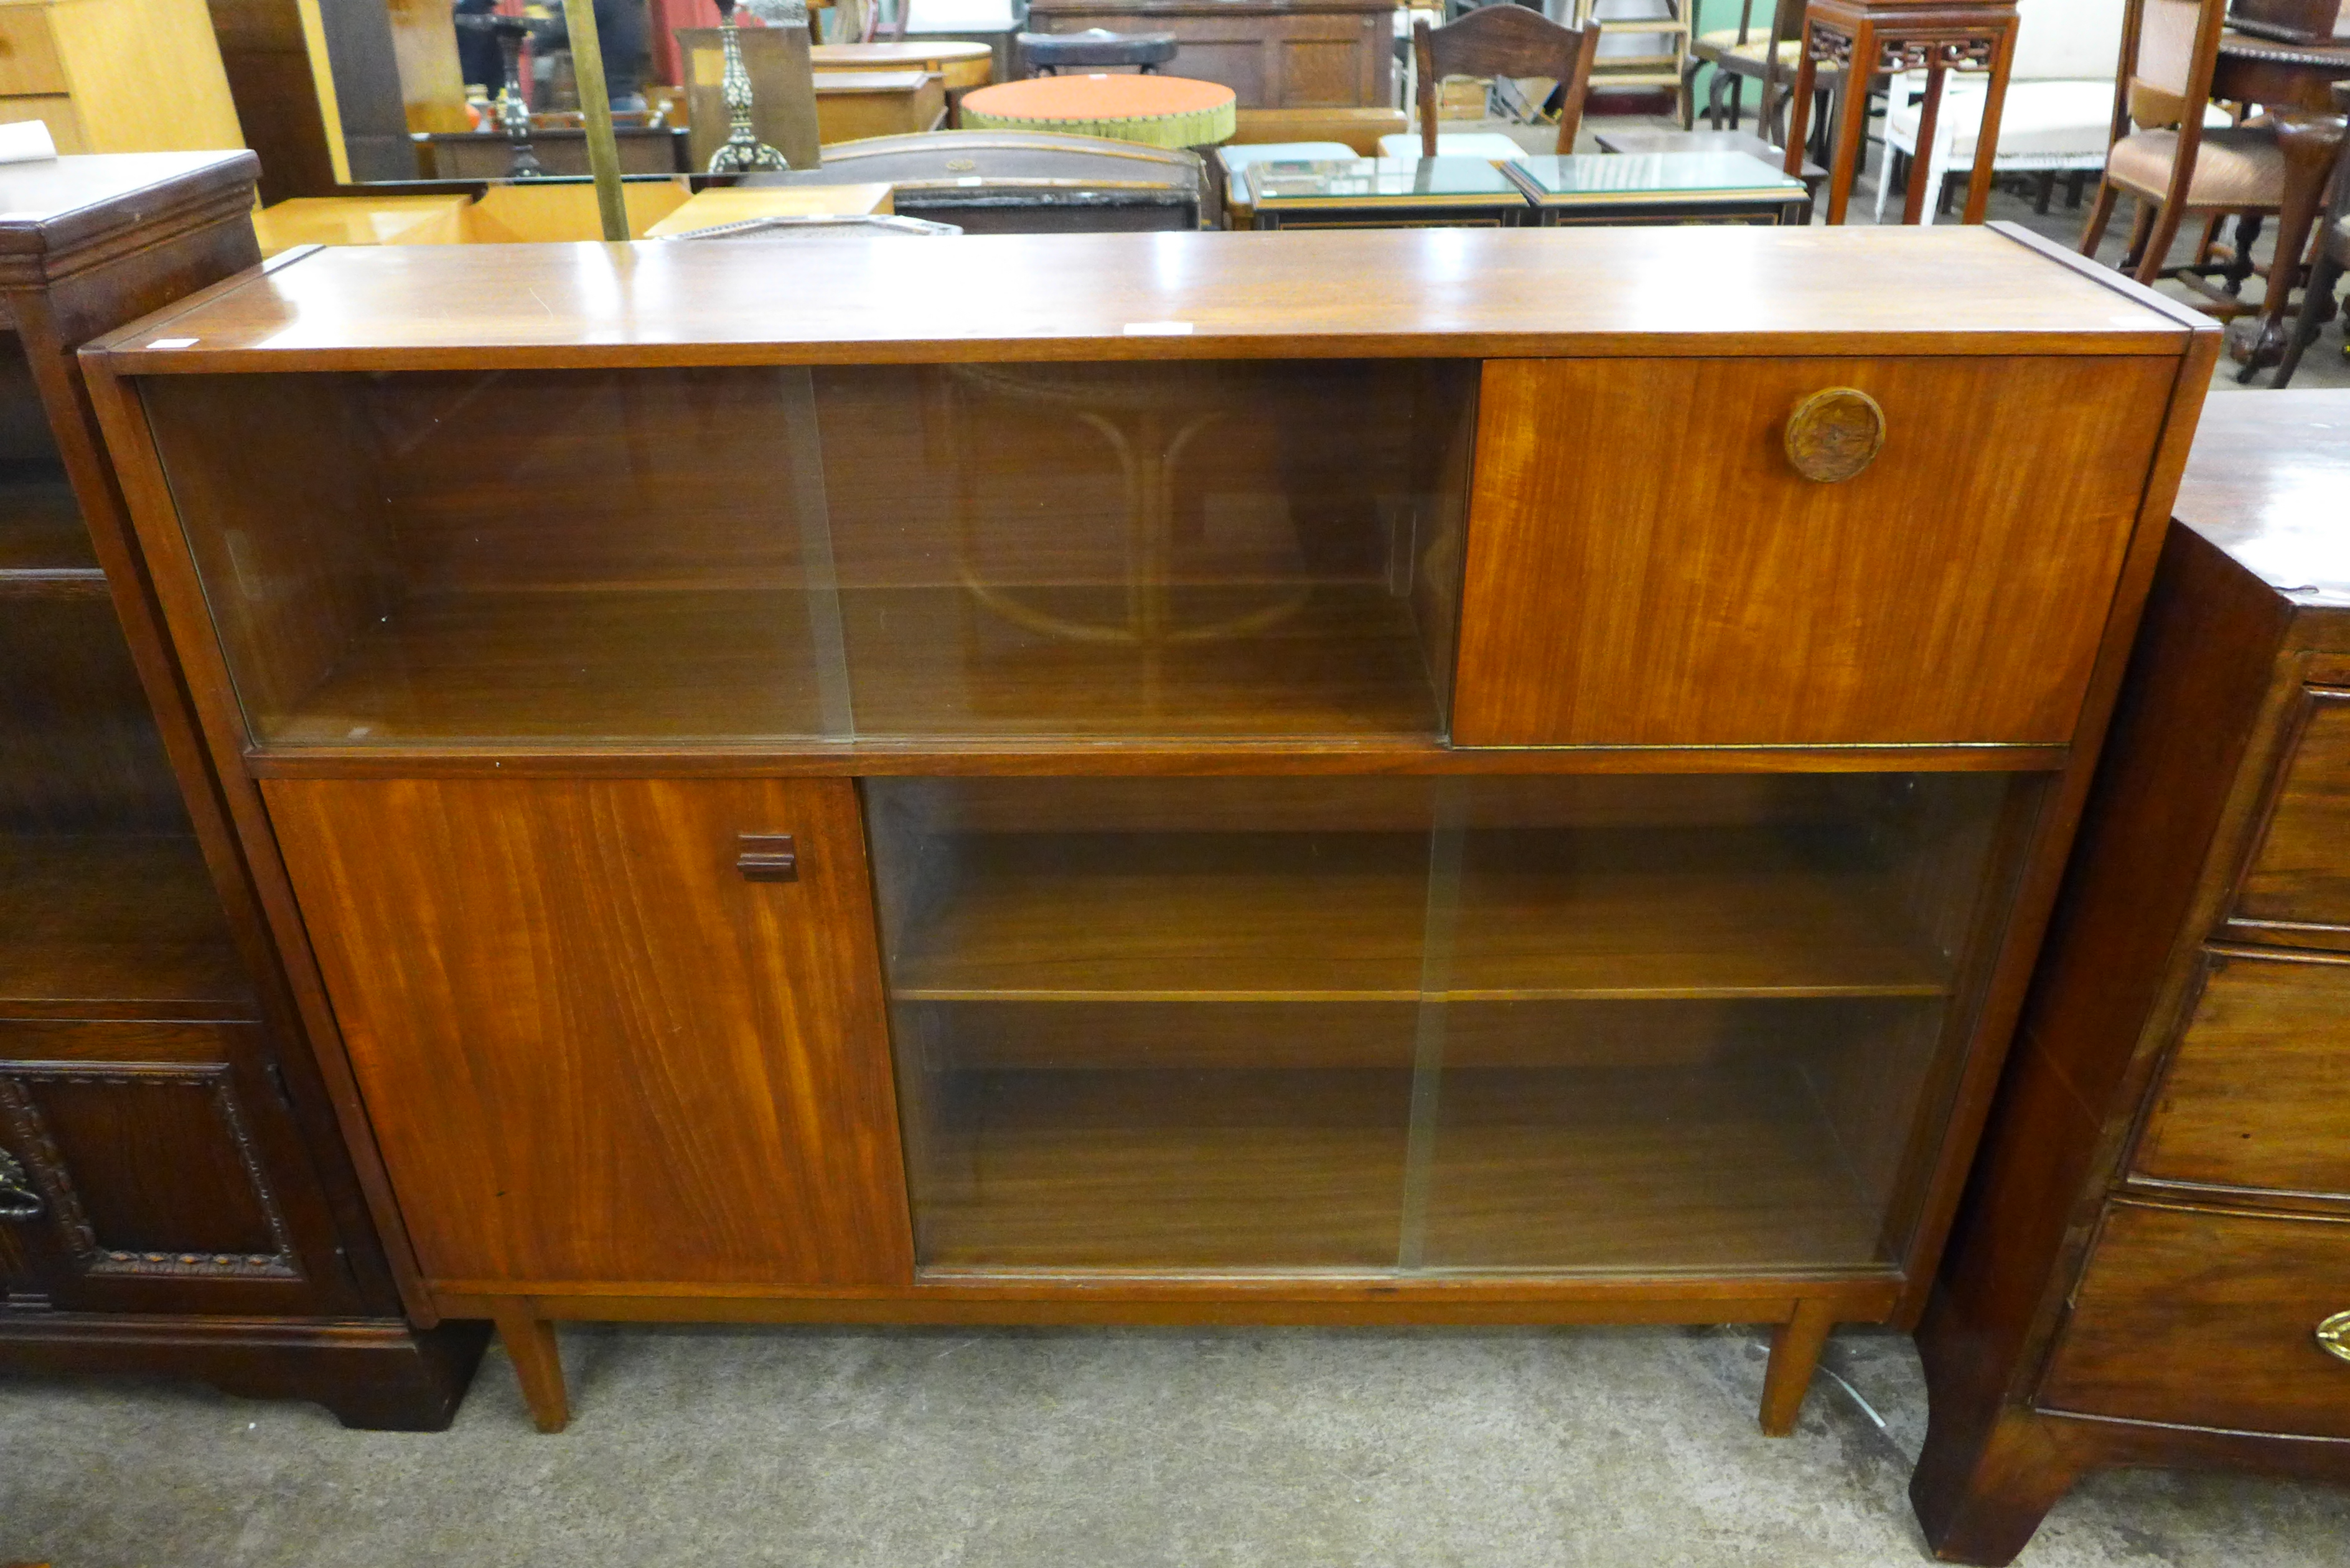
(1225,885)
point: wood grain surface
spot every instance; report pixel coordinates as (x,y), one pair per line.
(589,1048)
(115,926)
(1445,293)
(2297,888)
(1343,917)
(2268,483)
(2208,1319)
(1622,589)
(2252,1097)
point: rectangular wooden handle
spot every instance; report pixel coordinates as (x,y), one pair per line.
(766,857)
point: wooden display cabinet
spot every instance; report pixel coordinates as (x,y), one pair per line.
(1033,786)
(2152,1266)
(173,1198)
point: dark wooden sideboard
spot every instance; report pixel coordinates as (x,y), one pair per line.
(174,1197)
(1273,54)
(1206,778)
(2152,1266)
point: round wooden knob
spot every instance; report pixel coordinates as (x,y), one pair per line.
(1834,433)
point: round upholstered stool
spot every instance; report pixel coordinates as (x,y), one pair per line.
(1096,48)
(1160,111)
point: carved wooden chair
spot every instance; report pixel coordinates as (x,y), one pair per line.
(1739,54)
(1503,41)
(2163,156)
(2332,258)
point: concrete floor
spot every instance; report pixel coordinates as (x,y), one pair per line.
(1105,1449)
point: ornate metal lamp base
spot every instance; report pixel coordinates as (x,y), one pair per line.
(744,152)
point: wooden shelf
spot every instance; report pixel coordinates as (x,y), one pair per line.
(114,926)
(1727,1167)
(1342,917)
(1225,1172)
(1341,660)
(1721,1169)
(579,664)
(43,549)
(599,666)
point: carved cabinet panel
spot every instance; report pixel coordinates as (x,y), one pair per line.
(146,1160)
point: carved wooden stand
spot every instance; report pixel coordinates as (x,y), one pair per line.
(1866,36)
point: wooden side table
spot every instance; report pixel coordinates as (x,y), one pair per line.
(1937,37)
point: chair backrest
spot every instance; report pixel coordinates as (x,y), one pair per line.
(2170,49)
(1505,41)
(1786,20)
(2066,40)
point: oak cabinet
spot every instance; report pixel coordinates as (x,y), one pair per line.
(173,1198)
(1298,815)
(1273,54)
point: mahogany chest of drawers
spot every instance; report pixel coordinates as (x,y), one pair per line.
(2152,1265)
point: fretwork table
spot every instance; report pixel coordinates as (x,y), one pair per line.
(1936,35)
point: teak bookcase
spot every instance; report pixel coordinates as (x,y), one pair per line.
(1145,778)
(174,1194)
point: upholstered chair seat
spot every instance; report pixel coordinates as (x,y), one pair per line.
(2238,168)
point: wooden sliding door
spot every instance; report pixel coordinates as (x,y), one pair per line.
(612,1030)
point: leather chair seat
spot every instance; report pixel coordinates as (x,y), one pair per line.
(2237,168)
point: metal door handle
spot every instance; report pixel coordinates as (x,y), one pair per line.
(2333,1335)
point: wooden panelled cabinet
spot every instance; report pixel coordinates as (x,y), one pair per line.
(2153,1263)
(173,1198)
(1454,803)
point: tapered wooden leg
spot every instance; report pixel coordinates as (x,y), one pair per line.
(538,1363)
(1795,1356)
(2158,245)
(2093,233)
(2317,302)
(1979,1495)
(2141,225)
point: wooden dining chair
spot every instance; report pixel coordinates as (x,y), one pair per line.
(2163,156)
(1766,53)
(2332,258)
(1505,41)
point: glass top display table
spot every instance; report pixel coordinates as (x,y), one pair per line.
(1658,187)
(1383,193)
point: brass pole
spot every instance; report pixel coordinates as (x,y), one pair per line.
(596,108)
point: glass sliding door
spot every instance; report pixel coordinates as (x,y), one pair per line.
(1403,1025)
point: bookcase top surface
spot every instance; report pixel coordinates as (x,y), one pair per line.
(1406,293)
